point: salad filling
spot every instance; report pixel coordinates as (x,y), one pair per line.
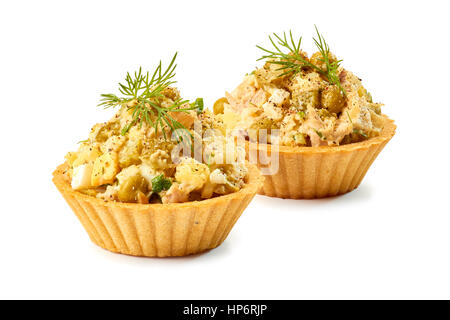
(307,101)
(136,156)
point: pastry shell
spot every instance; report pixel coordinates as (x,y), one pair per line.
(318,172)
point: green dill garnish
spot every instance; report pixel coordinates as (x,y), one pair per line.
(82,141)
(160,183)
(143,95)
(294,61)
(320,134)
(332,67)
(198,105)
(349,118)
(360,132)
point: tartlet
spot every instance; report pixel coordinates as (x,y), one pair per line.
(321,122)
(159,178)
(158,230)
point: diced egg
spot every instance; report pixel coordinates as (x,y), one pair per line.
(147,172)
(218,177)
(81,177)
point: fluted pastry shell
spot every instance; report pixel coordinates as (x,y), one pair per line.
(158,230)
(318,172)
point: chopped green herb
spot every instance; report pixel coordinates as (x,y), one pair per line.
(349,118)
(198,104)
(320,134)
(360,132)
(160,183)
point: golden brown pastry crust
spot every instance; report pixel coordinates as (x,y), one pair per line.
(318,172)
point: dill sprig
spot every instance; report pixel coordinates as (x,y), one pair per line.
(291,62)
(332,67)
(143,94)
(294,61)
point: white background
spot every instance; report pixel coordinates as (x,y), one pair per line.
(388,239)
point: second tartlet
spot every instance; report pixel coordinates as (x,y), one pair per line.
(321,122)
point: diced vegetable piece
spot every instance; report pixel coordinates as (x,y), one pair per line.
(130,189)
(105,169)
(160,183)
(332,99)
(218,105)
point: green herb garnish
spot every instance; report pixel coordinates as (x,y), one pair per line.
(160,183)
(332,67)
(349,118)
(293,61)
(198,105)
(360,132)
(320,134)
(143,95)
